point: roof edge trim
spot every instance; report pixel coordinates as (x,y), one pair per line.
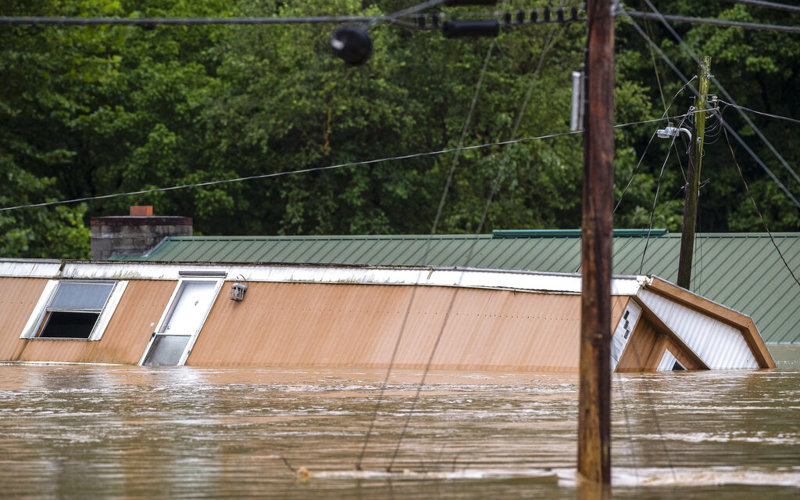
(526,281)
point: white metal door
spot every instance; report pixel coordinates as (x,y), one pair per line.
(178,329)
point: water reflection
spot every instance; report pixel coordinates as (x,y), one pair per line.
(143,432)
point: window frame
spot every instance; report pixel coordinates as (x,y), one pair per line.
(41,312)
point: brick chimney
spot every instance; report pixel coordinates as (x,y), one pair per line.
(135,234)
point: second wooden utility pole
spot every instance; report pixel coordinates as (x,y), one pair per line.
(594,400)
(693,177)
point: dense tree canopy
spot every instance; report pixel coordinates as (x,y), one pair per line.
(87,111)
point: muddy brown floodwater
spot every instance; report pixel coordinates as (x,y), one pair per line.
(122,431)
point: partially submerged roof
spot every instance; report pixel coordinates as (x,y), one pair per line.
(741,270)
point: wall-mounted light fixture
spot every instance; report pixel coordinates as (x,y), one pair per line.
(238,289)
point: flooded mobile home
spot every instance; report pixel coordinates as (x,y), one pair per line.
(229,315)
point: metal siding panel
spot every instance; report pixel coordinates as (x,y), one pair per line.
(55,351)
(337,252)
(504,254)
(18,298)
(452,253)
(486,254)
(639,349)
(125,337)
(715,259)
(357,325)
(304,251)
(133,322)
(211,250)
(709,339)
(192,252)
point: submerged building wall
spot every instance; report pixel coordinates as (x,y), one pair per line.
(294,324)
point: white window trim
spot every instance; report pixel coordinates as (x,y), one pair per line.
(220,280)
(40,310)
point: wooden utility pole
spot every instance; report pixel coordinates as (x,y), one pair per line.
(693,178)
(594,417)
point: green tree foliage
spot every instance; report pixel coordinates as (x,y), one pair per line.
(88,111)
(47,96)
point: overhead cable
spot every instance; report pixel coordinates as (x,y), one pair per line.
(379,401)
(429,21)
(715,22)
(315,169)
(725,124)
(721,88)
(644,153)
(768,5)
(195,21)
(762,113)
(758,211)
(511,18)
(463,136)
(655,198)
(411,10)
(180,21)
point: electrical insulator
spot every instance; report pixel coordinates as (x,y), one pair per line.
(455,3)
(452,29)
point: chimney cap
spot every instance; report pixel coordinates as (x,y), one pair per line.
(141,211)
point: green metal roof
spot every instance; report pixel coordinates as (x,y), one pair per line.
(740,270)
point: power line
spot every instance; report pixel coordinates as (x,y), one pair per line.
(316,169)
(181,21)
(464,129)
(731,99)
(655,198)
(194,21)
(415,8)
(738,138)
(715,22)
(281,174)
(755,205)
(762,113)
(644,153)
(400,335)
(423,21)
(767,5)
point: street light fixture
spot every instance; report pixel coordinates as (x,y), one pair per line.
(670,132)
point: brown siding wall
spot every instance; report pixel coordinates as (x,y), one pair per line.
(285,324)
(124,340)
(133,322)
(642,348)
(18,297)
